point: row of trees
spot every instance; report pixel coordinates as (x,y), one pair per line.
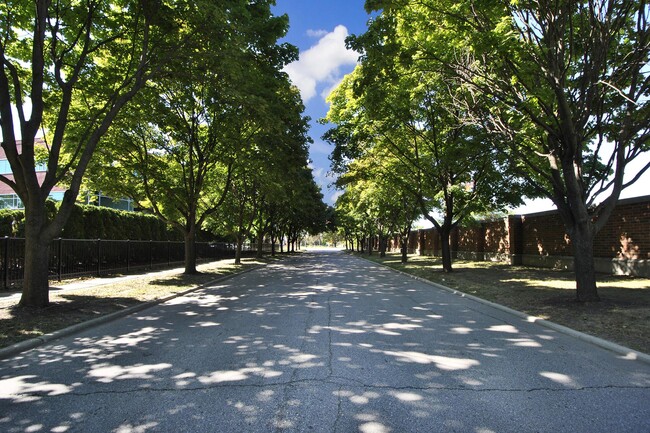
(461,107)
(178,104)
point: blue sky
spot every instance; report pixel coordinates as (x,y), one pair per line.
(319,28)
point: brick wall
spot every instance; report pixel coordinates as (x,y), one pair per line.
(627,232)
(626,235)
(622,246)
(469,239)
(496,237)
(544,235)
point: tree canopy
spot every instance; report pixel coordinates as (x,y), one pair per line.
(559,88)
(182,83)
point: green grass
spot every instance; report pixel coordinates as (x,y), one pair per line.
(623,315)
(76,306)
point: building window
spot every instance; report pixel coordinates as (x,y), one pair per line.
(5,167)
(10,201)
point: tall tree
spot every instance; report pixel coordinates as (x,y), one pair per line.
(185,134)
(568,87)
(68,68)
(409,120)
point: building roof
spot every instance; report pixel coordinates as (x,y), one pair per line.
(6,189)
(19,147)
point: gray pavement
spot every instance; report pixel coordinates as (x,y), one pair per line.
(323,342)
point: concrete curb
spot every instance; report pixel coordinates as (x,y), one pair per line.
(625,352)
(32,343)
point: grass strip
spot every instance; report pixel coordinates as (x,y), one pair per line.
(69,307)
(622,316)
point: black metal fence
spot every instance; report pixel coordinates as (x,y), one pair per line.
(77,257)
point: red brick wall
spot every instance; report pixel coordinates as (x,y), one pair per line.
(468,239)
(626,235)
(627,232)
(496,237)
(543,234)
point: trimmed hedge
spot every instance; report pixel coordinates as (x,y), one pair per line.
(11,222)
(94,222)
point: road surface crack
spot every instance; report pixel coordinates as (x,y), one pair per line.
(330,354)
(339,411)
(281,419)
(340,382)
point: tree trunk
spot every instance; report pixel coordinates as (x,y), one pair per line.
(382,245)
(238,249)
(190,251)
(582,243)
(36,288)
(446,249)
(370,245)
(272,245)
(260,244)
(404,242)
(406,236)
(35,284)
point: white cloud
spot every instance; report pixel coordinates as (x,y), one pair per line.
(322,176)
(334,196)
(316,33)
(321,65)
(320,147)
(324,179)
(326,91)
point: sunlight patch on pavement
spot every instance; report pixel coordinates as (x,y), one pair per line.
(461,330)
(442,362)
(107,373)
(401,326)
(560,378)
(133,338)
(128,428)
(205,324)
(524,342)
(407,396)
(508,329)
(373,427)
(223,376)
(20,390)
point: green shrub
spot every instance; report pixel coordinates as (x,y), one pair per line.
(75,226)
(93,222)
(12,222)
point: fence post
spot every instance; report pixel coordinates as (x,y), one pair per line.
(128,255)
(99,258)
(59,265)
(5,263)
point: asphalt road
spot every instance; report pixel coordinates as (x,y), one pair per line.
(322,343)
